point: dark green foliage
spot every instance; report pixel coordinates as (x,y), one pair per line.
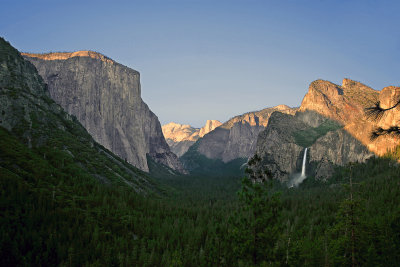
(55,136)
(55,215)
(306,138)
(61,215)
(349,233)
(255,229)
(65,200)
(393,154)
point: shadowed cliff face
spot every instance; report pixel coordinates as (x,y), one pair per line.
(281,145)
(105,98)
(235,139)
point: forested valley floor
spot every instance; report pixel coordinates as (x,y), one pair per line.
(61,217)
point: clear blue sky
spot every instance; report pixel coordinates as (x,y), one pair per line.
(216,59)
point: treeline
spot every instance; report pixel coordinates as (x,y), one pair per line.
(346,222)
(73,220)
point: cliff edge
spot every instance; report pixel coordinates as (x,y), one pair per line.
(105,97)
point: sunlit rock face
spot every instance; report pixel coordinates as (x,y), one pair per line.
(210,126)
(180,132)
(182,136)
(326,104)
(346,104)
(281,145)
(68,55)
(105,96)
(388,97)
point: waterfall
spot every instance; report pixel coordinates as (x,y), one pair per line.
(303,169)
(298,178)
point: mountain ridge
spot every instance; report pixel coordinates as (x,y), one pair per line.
(68,55)
(51,144)
(233,141)
(332,123)
(181,136)
(346,104)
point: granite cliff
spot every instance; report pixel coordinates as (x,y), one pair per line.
(235,139)
(332,123)
(105,97)
(346,104)
(45,143)
(281,146)
(181,136)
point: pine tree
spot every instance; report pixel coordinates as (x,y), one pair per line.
(376,112)
(349,233)
(256,228)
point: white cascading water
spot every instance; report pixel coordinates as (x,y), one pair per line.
(299,178)
(303,169)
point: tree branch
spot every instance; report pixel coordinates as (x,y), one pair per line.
(376,112)
(393,130)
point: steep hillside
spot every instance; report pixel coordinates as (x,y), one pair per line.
(332,123)
(41,141)
(106,98)
(235,139)
(181,136)
(281,146)
(346,104)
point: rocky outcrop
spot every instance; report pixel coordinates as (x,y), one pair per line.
(180,132)
(237,137)
(210,126)
(68,55)
(281,146)
(346,104)
(232,142)
(57,144)
(182,136)
(105,97)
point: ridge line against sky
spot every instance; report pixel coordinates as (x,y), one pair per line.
(204,60)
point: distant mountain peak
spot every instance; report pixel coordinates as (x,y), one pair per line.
(210,125)
(179,132)
(184,132)
(281,107)
(256,118)
(174,125)
(349,83)
(235,139)
(181,136)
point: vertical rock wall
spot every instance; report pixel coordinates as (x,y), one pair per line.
(105,98)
